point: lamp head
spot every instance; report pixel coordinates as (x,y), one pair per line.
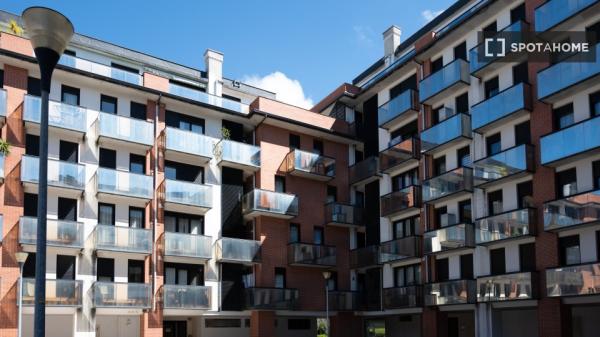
(21,257)
(326,274)
(47,28)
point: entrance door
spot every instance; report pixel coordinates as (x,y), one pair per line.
(174,328)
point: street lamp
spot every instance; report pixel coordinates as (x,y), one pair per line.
(327,276)
(21,257)
(49,33)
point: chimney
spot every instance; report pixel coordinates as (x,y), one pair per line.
(213,61)
(391,40)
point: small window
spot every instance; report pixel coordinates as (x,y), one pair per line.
(406,227)
(404,180)
(135,271)
(566,183)
(463,156)
(525,194)
(69,95)
(318,236)
(437,64)
(299,324)
(517,13)
(527,257)
(439,165)
(441,270)
(136,217)
(407,275)
(495,202)
(34,86)
(466,266)
(138,111)
(570,252)
(460,51)
(67,209)
(108,104)
(595,104)
(318,147)
(294,233)
(493,144)
(68,151)
(108,158)
(491,87)
(331,194)
(32,145)
(563,116)
(105,269)
(462,103)
(106,214)
(523,133)
(464,211)
(29,266)
(65,270)
(439,215)
(280,278)
(596,175)
(222,323)
(30,202)
(358,156)
(497,261)
(280,184)
(137,164)
(520,73)
(294,141)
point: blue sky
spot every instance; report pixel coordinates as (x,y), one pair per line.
(314,45)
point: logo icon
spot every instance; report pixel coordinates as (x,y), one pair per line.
(495,47)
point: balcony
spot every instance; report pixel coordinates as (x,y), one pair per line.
(63,118)
(364,171)
(187,248)
(268,203)
(578,280)
(3,107)
(67,177)
(202,97)
(504,226)
(238,155)
(114,240)
(271,298)
(311,255)
(453,237)
(446,133)
(100,69)
(59,293)
(346,300)
(562,14)
(512,163)
(507,287)
(399,152)
(343,215)
(567,77)
(574,211)
(400,249)
(399,202)
(450,292)
(186,197)
(507,105)
(122,184)
(486,65)
(398,109)
(119,131)
(232,250)
(452,77)
(186,297)
(187,146)
(571,143)
(364,257)
(114,295)
(402,297)
(308,165)
(453,183)
(62,234)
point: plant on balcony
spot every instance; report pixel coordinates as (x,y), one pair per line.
(217,149)
(4,147)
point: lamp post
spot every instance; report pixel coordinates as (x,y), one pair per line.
(326,276)
(49,33)
(21,257)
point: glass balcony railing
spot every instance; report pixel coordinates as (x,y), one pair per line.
(238,153)
(450,292)
(346,300)
(238,250)
(400,249)
(100,69)
(59,233)
(59,293)
(343,215)
(123,239)
(177,296)
(396,202)
(186,193)
(124,183)
(477,64)
(364,257)
(577,280)
(276,203)
(309,254)
(402,297)
(448,238)
(507,225)
(60,115)
(202,97)
(258,298)
(451,74)
(553,12)
(309,165)
(189,142)
(508,102)
(400,151)
(575,210)
(364,170)
(446,131)
(60,173)
(573,140)
(3,106)
(449,183)
(504,164)
(565,74)
(397,106)
(507,287)
(125,129)
(121,295)
(188,245)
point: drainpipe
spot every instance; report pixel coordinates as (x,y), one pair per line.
(155,207)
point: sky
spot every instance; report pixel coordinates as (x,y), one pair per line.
(301,50)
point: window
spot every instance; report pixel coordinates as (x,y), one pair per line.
(108,104)
(70,52)
(280,278)
(29,266)
(440,114)
(569,250)
(463,156)
(464,211)
(517,13)
(222,323)
(105,269)
(184,122)
(361,239)
(525,194)
(460,51)
(32,145)
(595,104)
(280,184)
(298,324)
(184,223)
(491,87)
(439,165)
(184,172)
(491,28)
(69,95)
(563,116)
(407,84)
(135,271)
(124,68)
(462,103)
(495,202)
(493,144)
(466,266)
(65,268)
(437,64)
(331,194)
(138,111)
(441,217)
(406,227)
(595,28)
(332,281)
(137,164)
(497,261)
(107,158)
(294,233)
(68,151)
(318,147)
(318,236)
(407,275)
(294,141)
(566,183)
(404,180)
(30,202)
(404,132)
(67,209)
(596,175)
(522,133)
(136,217)
(358,156)
(34,86)
(359,199)
(441,270)
(106,214)
(520,74)
(184,274)
(527,257)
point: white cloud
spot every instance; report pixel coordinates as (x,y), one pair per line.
(287,90)
(429,15)
(363,34)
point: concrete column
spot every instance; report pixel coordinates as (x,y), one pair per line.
(214,66)
(262,324)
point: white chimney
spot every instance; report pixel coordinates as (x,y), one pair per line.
(213,61)
(391,40)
